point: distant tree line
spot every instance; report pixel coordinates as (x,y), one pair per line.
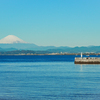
(24,52)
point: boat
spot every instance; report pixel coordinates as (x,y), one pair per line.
(87,60)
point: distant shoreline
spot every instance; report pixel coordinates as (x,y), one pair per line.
(50,54)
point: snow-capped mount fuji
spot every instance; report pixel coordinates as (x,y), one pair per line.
(12,42)
(10,39)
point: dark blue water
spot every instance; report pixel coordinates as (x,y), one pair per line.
(47,78)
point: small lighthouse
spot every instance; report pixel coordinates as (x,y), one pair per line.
(81,55)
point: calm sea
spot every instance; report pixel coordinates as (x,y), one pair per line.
(48,78)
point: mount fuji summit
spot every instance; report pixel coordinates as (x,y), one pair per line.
(16,43)
(10,39)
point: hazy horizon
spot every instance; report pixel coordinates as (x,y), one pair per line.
(10,39)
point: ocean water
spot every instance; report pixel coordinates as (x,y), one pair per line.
(48,78)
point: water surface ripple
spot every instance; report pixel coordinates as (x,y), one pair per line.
(47,78)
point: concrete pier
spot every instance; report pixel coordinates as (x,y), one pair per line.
(87,60)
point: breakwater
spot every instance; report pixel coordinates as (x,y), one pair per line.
(87,60)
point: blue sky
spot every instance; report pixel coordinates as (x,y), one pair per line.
(52,22)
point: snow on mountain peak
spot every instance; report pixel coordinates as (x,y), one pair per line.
(10,39)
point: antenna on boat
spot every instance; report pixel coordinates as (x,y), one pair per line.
(81,54)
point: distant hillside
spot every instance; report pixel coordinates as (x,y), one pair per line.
(7,49)
(95,49)
(24,52)
(52,49)
(19,46)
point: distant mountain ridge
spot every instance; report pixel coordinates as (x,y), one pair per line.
(11,43)
(93,49)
